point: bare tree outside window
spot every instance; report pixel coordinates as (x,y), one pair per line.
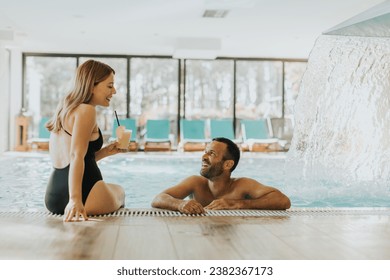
(47,80)
(209,89)
(154,90)
(259,89)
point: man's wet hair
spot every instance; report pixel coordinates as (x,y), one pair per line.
(232,151)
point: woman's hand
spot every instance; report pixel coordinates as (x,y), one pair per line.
(113,149)
(73,211)
(110,150)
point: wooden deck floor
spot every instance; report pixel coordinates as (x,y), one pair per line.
(272,235)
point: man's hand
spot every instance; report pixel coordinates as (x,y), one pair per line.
(223,204)
(191,207)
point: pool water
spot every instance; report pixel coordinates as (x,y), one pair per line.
(143,178)
(23,179)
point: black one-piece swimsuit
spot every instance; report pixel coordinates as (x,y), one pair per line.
(57,191)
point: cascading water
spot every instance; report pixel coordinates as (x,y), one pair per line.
(340,150)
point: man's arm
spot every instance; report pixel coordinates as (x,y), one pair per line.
(253,195)
(173,198)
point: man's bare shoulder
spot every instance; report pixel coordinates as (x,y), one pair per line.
(196,179)
(186,187)
(190,182)
(245,182)
(251,188)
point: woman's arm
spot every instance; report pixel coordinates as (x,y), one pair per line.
(109,150)
(84,121)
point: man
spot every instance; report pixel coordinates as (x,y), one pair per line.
(216,190)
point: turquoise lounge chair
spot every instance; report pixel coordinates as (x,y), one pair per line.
(256,136)
(42,141)
(223,128)
(43,132)
(157,135)
(193,135)
(129,124)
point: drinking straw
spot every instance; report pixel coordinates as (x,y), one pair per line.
(117,118)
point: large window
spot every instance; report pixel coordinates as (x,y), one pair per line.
(154,90)
(209,89)
(167,88)
(259,89)
(47,80)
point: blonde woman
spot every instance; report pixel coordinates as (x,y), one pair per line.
(76,187)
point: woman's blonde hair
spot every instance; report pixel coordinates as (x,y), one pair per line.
(88,75)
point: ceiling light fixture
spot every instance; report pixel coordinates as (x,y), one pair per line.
(215,13)
(197,48)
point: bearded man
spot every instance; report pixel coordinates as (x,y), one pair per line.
(215,189)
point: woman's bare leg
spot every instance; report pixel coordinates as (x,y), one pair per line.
(104,198)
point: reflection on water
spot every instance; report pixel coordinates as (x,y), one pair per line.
(23,182)
(341,149)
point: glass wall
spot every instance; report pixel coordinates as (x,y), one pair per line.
(167,88)
(209,89)
(46,81)
(259,89)
(154,90)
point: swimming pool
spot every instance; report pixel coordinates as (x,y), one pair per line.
(23,178)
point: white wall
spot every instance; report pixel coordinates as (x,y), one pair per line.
(4,95)
(10,94)
(15,92)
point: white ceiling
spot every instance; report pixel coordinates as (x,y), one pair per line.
(252,28)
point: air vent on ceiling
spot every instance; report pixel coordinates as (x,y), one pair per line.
(215,13)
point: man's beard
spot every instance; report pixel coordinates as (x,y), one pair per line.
(212,171)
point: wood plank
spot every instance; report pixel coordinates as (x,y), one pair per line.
(197,238)
(257,242)
(254,241)
(29,236)
(50,238)
(144,242)
(367,235)
(313,243)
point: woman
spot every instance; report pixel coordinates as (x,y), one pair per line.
(76,187)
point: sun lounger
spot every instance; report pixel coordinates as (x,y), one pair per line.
(157,135)
(256,137)
(223,128)
(42,141)
(192,135)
